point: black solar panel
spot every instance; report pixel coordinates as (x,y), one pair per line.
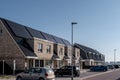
(67,43)
(58,40)
(48,37)
(35,33)
(19,30)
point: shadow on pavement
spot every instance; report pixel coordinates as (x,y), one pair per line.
(118,79)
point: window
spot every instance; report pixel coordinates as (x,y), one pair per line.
(41,63)
(61,51)
(40,47)
(36,63)
(37,70)
(48,48)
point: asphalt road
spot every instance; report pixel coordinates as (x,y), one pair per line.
(111,75)
(82,75)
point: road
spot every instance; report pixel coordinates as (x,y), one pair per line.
(109,75)
(112,75)
(82,76)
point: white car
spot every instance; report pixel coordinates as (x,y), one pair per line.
(36,74)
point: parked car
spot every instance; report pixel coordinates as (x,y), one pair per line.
(99,68)
(110,67)
(116,66)
(36,74)
(67,70)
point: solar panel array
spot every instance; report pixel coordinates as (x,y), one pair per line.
(48,37)
(58,40)
(35,33)
(19,30)
(26,32)
(67,43)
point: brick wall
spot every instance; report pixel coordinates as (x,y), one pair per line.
(9,50)
(43,55)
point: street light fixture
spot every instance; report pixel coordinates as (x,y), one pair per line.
(73,23)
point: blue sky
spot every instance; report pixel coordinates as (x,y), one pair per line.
(98,20)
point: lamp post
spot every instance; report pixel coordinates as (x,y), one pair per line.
(114,56)
(73,23)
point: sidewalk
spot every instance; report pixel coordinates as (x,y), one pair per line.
(7,77)
(84,70)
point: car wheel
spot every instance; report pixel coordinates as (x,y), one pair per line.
(41,79)
(74,74)
(78,74)
(19,78)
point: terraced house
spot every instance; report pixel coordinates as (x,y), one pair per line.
(22,47)
(27,47)
(89,57)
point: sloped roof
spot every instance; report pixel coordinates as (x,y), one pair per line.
(48,37)
(19,30)
(67,43)
(89,52)
(22,33)
(35,33)
(58,40)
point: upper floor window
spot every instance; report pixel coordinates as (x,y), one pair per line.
(48,48)
(40,47)
(61,51)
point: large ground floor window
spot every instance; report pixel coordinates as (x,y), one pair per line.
(39,63)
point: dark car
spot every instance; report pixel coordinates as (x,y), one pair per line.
(67,70)
(116,66)
(110,67)
(99,68)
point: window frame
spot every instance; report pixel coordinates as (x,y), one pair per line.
(40,47)
(61,51)
(48,50)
